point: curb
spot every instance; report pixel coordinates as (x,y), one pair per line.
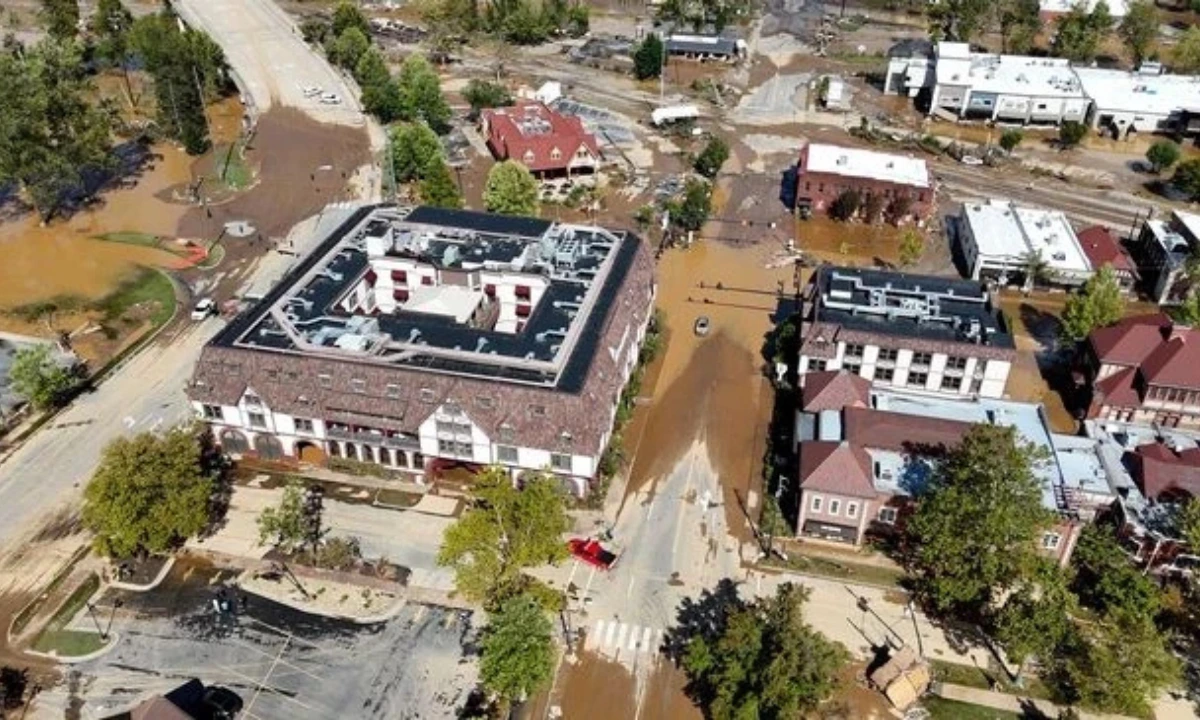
(113,638)
(401,601)
(844,581)
(132,587)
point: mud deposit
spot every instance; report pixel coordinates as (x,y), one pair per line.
(597,689)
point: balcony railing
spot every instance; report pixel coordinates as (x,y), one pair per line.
(401,442)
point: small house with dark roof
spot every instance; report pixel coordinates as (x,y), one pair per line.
(1102,248)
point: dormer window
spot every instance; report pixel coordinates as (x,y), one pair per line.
(555,154)
(252,400)
(426,395)
(537,410)
(528,156)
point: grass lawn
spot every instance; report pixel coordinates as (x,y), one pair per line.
(147,286)
(972,676)
(839,570)
(131,238)
(68,643)
(942,709)
(231,169)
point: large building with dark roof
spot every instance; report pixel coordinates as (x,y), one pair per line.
(421,338)
(908,331)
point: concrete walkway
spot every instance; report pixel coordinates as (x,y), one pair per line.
(1013,703)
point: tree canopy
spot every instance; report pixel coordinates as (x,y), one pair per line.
(1187,177)
(912,247)
(1119,664)
(505,530)
(1097,304)
(690,212)
(1105,580)
(292,524)
(1011,138)
(511,189)
(481,94)
(36,377)
(1071,133)
(762,660)
(50,131)
(648,58)
(347,16)
(1162,155)
(986,483)
(1139,28)
(517,650)
(1036,618)
(151,492)
(437,187)
(1185,56)
(414,146)
(1020,23)
(348,47)
(421,94)
(708,163)
(61,18)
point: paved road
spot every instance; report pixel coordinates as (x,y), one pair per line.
(269,58)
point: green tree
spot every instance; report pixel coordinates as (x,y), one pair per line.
(511,190)
(958,20)
(708,163)
(763,660)
(649,57)
(1097,304)
(414,146)
(1138,28)
(1185,56)
(380,91)
(61,18)
(1019,25)
(36,377)
(1187,177)
(1071,133)
(692,211)
(151,492)
(1078,33)
(1188,313)
(986,483)
(287,526)
(348,48)
(50,131)
(578,20)
(504,531)
(845,204)
(1036,618)
(517,650)
(1162,155)
(1119,664)
(421,94)
(1010,139)
(912,247)
(481,94)
(1105,580)
(110,26)
(347,16)
(771,522)
(1188,521)
(437,186)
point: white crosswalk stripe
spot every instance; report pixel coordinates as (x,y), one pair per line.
(611,637)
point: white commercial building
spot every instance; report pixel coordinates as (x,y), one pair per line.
(1050,8)
(998,237)
(1141,101)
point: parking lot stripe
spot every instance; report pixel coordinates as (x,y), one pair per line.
(621,635)
(633,639)
(608,637)
(646,639)
(593,638)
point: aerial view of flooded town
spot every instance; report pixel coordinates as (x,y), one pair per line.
(599,359)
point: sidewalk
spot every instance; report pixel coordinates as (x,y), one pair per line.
(1013,703)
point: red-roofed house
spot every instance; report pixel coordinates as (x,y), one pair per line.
(1144,370)
(1102,248)
(834,390)
(543,140)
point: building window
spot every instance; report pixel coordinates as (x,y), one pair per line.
(506,433)
(949,382)
(252,400)
(555,154)
(454,448)
(427,280)
(559,461)
(956,363)
(887,515)
(426,395)
(1051,540)
(523,310)
(257,420)
(522,291)
(852,510)
(815,365)
(399,277)
(815,505)
(537,410)
(358,386)
(489,290)
(884,374)
(888,354)
(854,351)
(212,412)
(855,368)
(393,391)
(506,454)
(922,359)
(918,379)
(835,506)
(304,425)
(485,402)
(324,380)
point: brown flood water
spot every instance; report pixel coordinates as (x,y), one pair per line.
(713,387)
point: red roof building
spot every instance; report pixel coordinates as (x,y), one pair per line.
(543,140)
(1143,370)
(1102,248)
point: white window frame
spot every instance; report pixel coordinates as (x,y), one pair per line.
(852,510)
(814,505)
(1051,540)
(835,506)
(557,464)
(501,450)
(887,515)
(309,430)
(262,419)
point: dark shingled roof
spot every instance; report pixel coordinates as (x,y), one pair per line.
(833,390)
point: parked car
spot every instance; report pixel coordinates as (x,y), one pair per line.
(203,309)
(970,160)
(331,99)
(702,326)
(222,703)
(311,91)
(592,553)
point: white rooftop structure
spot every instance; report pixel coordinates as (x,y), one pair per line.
(452,301)
(1140,92)
(1006,74)
(1116,8)
(854,162)
(1003,234)
(674,113)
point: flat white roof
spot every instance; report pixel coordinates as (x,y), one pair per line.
(447,300)
(1008,232)
(854,162)
(1007,74)
(1120,91)
(1116,8)
(1189,220)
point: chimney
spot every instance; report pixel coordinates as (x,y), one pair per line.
(1176,331)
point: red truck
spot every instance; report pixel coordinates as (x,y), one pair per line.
(592,553)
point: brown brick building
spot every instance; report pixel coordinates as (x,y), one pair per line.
(826,171)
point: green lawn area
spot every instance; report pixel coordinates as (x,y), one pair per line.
(849,571)
(231,168)
(147,286)
(942,709)
(131,238)
(971,676)
(68,643)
